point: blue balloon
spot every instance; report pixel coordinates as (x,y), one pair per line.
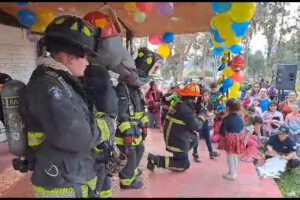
(168,37)
(27,18)
(23,4)
(210,42)
(221,67)
(221,7)
(236,49)
(240,29)
(218,51)
(228,83)
(213,31)
(221,108)
(223,90)
(218,37)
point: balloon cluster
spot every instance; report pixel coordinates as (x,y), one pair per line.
(232,75)
(140,10)
(163,50)
(229,25)
(34,22)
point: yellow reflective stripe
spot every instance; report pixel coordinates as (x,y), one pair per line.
(177,169)
(167,162)
(35,138)
(92,183)
(99,114)
(105,132)
(176,121)
(175,149)
(124,126)
(98,150)
(120,141)
(87,31)
(106,194)
(137,116)
(127,182)
(145,120)
(60,21)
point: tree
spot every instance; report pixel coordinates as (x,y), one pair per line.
(256,65)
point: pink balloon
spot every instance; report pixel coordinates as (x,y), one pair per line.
(238,77)
(154,39)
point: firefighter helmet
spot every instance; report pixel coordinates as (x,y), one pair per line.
(73,30)
(238,63)
(190,90)
(147,62)
(109,27)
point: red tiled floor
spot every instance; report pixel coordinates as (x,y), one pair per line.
(201,180)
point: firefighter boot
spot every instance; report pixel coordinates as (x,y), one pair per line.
(214,154)
(152,161)
(136,184)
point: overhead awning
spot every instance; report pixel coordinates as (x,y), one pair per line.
(187,17)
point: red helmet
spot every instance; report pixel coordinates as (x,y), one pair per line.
(109,26)
(237,63)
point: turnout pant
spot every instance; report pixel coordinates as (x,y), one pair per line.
(103,186)
(134,155)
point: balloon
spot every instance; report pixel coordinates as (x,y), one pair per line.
(220,80)
(228,83)
(166,8)
(139,17)
(168,37)
(236,49)
(242,12)
(218,51)
(27,18)
(32,37)
(45,17)
(146,7)
(23,4)
(222,21)
(234,94)
(221,67)
(240,29)
(155,40)
(130,7)
(236,86)
(211,42)
(223,90)
(238,77)
(232,41)
(221,7)
(164,51)
(38,28)
(216,44)
(218,38)
(228,72)
(226,32)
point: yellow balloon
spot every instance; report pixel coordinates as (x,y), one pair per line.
(216,44)
(45,17)
(234,94)
(232,41)
(38,28)
(164,51)
(236,86)
(222,21)
(242,12)
(226,32)
(228,72)
(130,7)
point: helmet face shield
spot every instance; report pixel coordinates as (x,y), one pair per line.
(155,68)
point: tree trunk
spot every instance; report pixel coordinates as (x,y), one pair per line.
(181,61)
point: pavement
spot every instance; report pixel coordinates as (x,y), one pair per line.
(200,180)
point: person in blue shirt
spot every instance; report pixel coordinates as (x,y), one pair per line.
(281,144)
(264,99)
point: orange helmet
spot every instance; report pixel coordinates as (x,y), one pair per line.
(190,90)
(108,24)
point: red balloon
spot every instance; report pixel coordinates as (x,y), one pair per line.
(146,7)
(238,63)
(238,77)
(155,40)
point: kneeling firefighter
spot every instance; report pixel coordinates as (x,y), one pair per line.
(132,128)
(61,130)
(180,132)
(101,93)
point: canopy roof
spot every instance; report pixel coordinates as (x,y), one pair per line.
(187,17)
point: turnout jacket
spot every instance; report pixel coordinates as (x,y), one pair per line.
(179,126)
(61,129)
(131,113)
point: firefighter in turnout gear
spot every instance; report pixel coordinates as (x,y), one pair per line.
(62,132)
(132,128)
(180,132)
(109,161)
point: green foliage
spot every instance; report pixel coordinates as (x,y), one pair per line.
(289,183)
(256,65)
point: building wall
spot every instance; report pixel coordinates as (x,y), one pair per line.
(17,53)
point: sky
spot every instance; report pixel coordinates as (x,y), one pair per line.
(259,40)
